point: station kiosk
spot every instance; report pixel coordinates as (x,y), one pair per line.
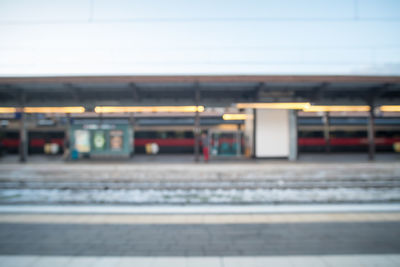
(94,138)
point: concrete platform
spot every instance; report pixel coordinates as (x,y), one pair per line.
(251,236)
(78,236)
(200,209)
(189,171)
(189,158)
(387,260)
(191,231)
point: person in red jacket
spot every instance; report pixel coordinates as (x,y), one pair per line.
(204,143)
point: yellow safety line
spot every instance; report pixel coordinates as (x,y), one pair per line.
(200,218)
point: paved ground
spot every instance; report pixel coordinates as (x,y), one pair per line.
(211,237)
(57,237)
(298,209)
(387,260)
(200,239)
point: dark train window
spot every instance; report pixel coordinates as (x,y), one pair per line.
(311,134)
(57,134)
(388,134)
(152,134)
(47,136)
(163,134)
(179,135)
(146,134)
(310,121)
(37,135)
(183,134)
(11,135)
(170,134)
(348,134)
(339,134)
(188,134)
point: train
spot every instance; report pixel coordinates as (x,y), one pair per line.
(346,134)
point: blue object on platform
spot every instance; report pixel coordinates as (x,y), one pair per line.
(74,154)
(225,149)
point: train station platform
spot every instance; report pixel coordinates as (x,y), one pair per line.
(171,212)
(182,167)
(335,235)
(189,158)
(341,210)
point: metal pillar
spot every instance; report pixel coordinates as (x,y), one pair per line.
(293,152)
(371,134)
(100,119)
(238,142)
(327,136)
(254,154)
(197,125)
(67,141)
(197,136)
(132,122)
(23,143)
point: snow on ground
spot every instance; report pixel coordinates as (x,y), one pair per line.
(213,183)
(202,196)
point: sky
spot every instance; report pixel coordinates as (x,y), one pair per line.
(174,37)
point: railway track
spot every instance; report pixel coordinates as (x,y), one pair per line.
(186,185)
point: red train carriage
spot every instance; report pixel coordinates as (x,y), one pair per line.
(346,134)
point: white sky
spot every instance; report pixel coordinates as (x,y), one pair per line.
(81,37)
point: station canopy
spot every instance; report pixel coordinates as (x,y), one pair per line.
(209,91)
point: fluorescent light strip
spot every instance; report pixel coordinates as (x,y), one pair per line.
(336,108)
(7,110)
(294,105)
(233,117)
(115,109)
(54,109)
(309,108)
(393,108)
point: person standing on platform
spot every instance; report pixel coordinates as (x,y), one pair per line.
(204,143)
(66,149)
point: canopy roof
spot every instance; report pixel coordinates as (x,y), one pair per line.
(221,90)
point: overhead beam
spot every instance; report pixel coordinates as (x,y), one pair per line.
(318,92)
(383,89)
(205,78)
(135,92)
(75,91)
(223,93)
(257,91)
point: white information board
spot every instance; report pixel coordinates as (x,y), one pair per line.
(272,133)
